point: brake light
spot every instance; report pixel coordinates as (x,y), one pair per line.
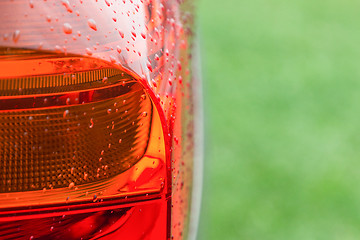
(83,149)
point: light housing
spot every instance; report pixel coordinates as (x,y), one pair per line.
(96,117)
(75,131)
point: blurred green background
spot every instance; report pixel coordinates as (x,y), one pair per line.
(282,104)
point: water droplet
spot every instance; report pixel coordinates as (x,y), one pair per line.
(92,24)
(67,28)
(16,36)
(66,4)
(57,49)
(66,113)
(121,34)
(71,185)
(91,123)
(118,49)
(148,64)
(31,3)
(112,59)
(154,82)
(144,114)
(88,51)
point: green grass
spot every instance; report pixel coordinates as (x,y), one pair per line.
(282,98)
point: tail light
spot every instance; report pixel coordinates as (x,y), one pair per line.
(81,140)
(95,119)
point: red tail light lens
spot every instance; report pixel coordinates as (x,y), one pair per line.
(82,150)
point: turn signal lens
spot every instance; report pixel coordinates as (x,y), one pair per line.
(74,132)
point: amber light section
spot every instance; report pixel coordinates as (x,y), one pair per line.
(82,147)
